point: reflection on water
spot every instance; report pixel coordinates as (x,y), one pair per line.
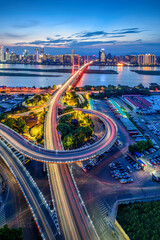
(33,81)
(125,76)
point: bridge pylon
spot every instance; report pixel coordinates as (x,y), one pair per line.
(78,65)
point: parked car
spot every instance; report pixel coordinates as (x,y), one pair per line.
(129,169)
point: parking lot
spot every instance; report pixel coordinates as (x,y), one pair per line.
(154,127)
(125,169)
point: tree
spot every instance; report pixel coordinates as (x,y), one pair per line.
(87,132)
(37,132)
(64,129)
(54,87)
(79,136)
(68,141)
(65,119)
(21,125)
(7,233)
(140,146)
(10,122)
(68,109)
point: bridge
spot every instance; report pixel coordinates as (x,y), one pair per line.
(56,156)
(73,217)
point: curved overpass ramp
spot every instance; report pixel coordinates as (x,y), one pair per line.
(51,156)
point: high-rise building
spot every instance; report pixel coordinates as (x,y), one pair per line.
(67,59)
(1,53)
(147,59)
(73,56)
(102,56)
(25,53)
(36,55)
(133,59)
(7,54)
(141,58)
(151,59)
(109,56)
(13,57)
(42,51)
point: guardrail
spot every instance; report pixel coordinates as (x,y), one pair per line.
(32,183)
(82,202)
(67,151)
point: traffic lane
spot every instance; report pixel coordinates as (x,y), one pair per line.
(44,219)
(55,156)
(36,152)
(76,206)
(62,204)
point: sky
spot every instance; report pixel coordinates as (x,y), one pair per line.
(121,27)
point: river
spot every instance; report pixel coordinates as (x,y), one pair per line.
(124,77)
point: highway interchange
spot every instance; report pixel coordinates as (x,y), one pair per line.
(101,193)
(74,219)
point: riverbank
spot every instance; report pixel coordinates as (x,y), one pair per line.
(147,72)
(2,74)
(61,70)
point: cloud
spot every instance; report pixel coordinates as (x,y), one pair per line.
(29,24)
(91,34)
(128,31)
(117,36)
(86,38)
(65,41)
(113,34)
(12,35)
(139,40)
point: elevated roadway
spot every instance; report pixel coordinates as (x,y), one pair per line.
(38,206)
(58,156)
(73,216)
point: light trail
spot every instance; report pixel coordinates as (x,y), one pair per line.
(73,218)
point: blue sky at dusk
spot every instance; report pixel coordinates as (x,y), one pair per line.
(120,27)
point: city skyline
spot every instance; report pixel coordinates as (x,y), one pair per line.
(119,28)
(79,120)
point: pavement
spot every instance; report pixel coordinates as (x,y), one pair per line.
(15,211)
(100,191)
(36,202)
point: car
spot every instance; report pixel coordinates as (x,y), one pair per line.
(132,163)
(113,168)
(156,146)
(126,176)
(117,177)
(120,168)
(124,173)
(111,164)
(123,181)
(129,169)
(123,170)
(129,180)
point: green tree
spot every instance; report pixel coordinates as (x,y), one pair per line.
(65,119)
(7,233)
(37,132)
(21,125)
(54,87)
(67,109)
(64,129)
(68,141)
(87,132)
